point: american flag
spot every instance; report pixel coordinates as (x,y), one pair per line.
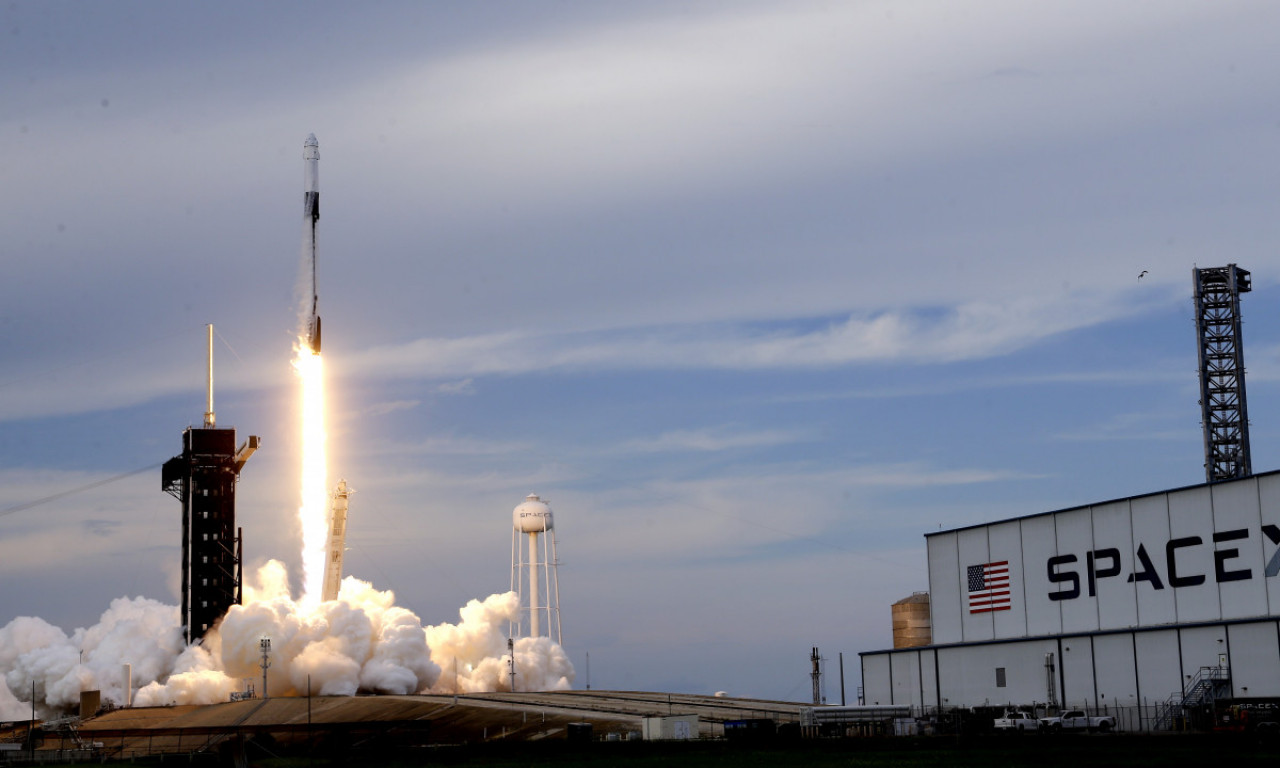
(989,587)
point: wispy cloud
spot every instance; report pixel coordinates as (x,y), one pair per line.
(463,387)
(969,331)
(1162,374)
(1136,426)
(382,409)
(449,445)
(712,439)
(102,528)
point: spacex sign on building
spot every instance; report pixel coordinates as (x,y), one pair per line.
(1199,554)
(1102,606)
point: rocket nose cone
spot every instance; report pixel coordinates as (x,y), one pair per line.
(311,141)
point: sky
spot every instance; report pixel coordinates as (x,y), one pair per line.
(755,293)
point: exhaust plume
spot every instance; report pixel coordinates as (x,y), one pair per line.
(360,643)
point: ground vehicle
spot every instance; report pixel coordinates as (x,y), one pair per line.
(1017,721)
(1247,716)
(1078,720)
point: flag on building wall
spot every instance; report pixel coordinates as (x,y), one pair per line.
(989,587)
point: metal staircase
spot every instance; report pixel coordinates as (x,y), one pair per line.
(1210,683)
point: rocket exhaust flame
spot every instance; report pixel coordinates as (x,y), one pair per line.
(313,509)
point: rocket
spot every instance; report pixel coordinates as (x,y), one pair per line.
(311,215)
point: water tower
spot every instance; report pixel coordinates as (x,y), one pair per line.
(534,577)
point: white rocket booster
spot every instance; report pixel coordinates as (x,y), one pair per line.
(311,215)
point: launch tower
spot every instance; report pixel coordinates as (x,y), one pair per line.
(1224,413)
(203,477)
(535,580)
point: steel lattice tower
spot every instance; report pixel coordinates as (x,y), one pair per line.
(1224,415)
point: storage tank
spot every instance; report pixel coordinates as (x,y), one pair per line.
(911,627)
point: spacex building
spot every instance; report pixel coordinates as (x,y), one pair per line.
(1141,607)
(1148,608)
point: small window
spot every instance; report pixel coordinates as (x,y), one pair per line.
(999,677)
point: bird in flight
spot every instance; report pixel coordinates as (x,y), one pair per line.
(1142,274)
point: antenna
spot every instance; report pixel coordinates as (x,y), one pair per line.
(209,418)
(815,658)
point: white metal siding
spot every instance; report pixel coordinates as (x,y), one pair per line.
(1116,672)
(1077,673)
(1006,544)
(906,679)
(1159,665)
(929,677)
(1075,539)
(1117,598)
(946,596)
(968,673)
(1201,647)
(875,679)
(1269,496)
(1151,524)
(1190,517)
(1167,659)
(1235,509)
(1039,543)
(1189,556)
(972,547)
(1255,659)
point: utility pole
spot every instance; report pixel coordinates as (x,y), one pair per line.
(31,728)
(842,679)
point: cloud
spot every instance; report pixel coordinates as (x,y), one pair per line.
(712,439)
(463,387)
(1145,427)
(101,528)
(750,510)
(1161,375)
(382,409)
(969,331)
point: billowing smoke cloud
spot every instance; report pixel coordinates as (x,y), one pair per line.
(138,631)
(361,642)
(473,653)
